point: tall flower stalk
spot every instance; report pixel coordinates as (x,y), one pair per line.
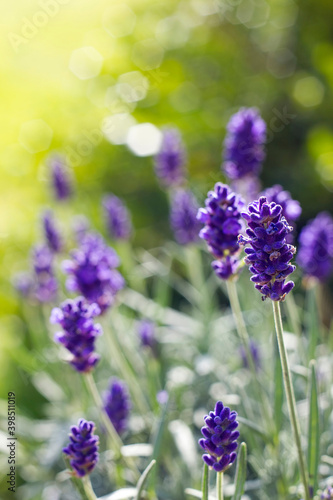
(269,257)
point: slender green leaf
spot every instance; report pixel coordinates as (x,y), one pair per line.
(313,435)
(143,479)
(278,391)
(240,473)
(205,482)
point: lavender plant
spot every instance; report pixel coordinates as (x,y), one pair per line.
(117,218)
(170,160)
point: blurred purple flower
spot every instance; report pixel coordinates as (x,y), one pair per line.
(79,331)
(81,226)
(83,448)
(269,256)
(291,209)
(327,494)
(222,220)
(92,271)
(45,283)
(315,254)
(220,438)
(117,217)
(255,353)
(184,208)
(51,232)
(117,404)
(170,160)
(244,144)
(61,178)
(146,332)
(23,283)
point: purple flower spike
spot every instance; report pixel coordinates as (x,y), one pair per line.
(79,331)
(51,232)
(184,208)
(270,255)
(83,448)
(315,255)
(220,438)
(146,332)
(222,219)
(117,405)
(45,283)
(61,179)
(92,271)
(170,160)
(117,218)
(244,144)
(255,353)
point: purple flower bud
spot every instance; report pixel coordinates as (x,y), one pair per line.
(83,448)
(244,144)
(117,404)
(291,209)
(270,255)
(92,271)
(220,441)
(45,283)
(23,282)
(170,160)
(117,218)
(51,232)
(255,353)
(61,179)
(315,254)
(146,332)
(184,208)
(79,331)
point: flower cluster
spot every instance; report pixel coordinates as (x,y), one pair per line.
(315,254)
(184,208)
(60,178)
(51,232)
(220,438)
(79,331)
(117,405)
(170,160)
(222,220)
(327,494)
(92,271)
(83,448)
(45,284)
(244,144)
(270,255)
(117,218)
(291,209)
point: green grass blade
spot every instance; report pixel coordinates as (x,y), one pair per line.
(313,435)
(143,479)
(240,473)
(278,392)
(205,482)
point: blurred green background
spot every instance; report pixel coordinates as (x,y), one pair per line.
(75,75)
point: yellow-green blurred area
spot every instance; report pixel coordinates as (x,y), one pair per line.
(77,75)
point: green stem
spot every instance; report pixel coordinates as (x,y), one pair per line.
(290,396)
(219,485)
(88,488)
(205,482)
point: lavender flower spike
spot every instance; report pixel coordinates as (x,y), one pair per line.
(83,448)
(60,178)
(222,219)
(146,332)
(79,332)
(170,160)
(291,209)
(220,438)
(45,283)
(51,232)
(270,255)
(117,218)
(315,255)
(184,208)
(117,405)
(92,271)
(244,144)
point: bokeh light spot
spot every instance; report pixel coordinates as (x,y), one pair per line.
(148,54)
(308,91)
(119,20)
(115,127)
(172,32)
(144,139)
(133,86)
(35,136)
(85,63)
